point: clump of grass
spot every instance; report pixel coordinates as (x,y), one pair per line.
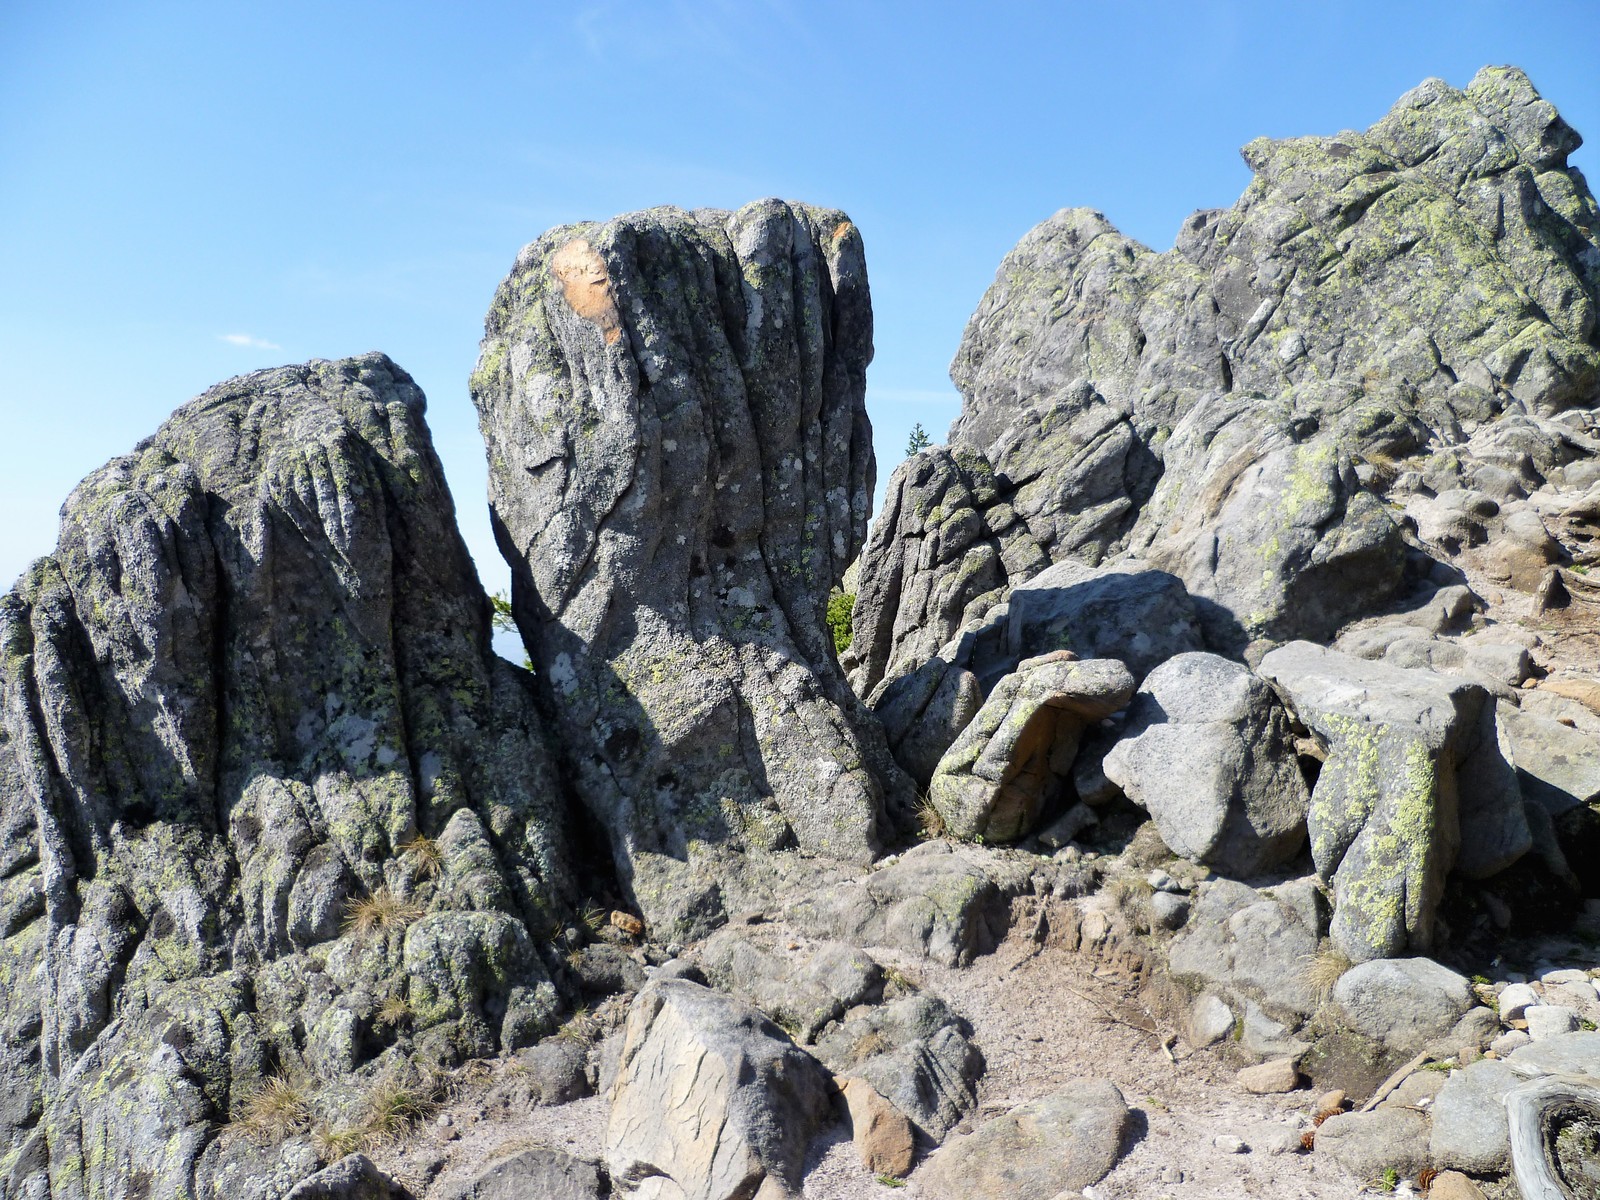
(930,819)
(425,855)
(394,1011)
(388,1111)
(1325,969)
(1127,889)
(594,919)
(582,1027)
(330,1143)
(890,1181)
(895,977)
(393,1106)
(380,912)
(276,1110)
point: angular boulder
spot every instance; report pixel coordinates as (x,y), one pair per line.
(916,1054)
(1016,754)
(712,1101)
(1207,751)
(680,465)
(252,730)
(1415,785)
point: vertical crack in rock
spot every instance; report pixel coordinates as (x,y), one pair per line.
(680,467)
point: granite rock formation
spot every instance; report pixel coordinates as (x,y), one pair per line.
(680,468)
(249,696)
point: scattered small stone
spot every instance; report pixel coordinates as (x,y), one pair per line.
(1162,882)
(1171,1175)
(1331,1101)
(1210,1020)
(1270,1078)
(1548,1020)
(1229,1144)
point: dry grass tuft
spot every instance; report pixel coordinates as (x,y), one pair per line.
(1425,1178)
(330,1144)
(425,855)
(1128,889)
(930,818)
(582,1027)
(393,1107)
(394,1011)
(1324,970)
(379,913)
(276,1110)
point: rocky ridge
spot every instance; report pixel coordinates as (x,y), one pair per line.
(1239,642)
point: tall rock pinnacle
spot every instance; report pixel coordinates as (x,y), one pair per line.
(680,468)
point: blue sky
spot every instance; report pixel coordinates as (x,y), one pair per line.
(189,190)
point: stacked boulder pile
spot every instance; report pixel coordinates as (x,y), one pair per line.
(1241,636)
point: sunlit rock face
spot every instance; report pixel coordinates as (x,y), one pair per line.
(1222,408)
(680,469)
(260,774)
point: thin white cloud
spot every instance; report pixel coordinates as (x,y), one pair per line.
(246,340)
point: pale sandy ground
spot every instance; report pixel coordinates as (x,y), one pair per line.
(1042,1017)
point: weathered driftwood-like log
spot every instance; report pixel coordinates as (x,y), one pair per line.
(1555,1138)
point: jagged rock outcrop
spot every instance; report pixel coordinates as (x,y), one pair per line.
(1231,410)
(260,772)
(680,467)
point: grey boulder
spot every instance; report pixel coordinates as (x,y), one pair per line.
(680,466)
(1014,756)
(1208,752)
(711,1099)
(1402,1002)
(1061,1143)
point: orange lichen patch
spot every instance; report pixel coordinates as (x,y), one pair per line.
(581,272)
(842,230)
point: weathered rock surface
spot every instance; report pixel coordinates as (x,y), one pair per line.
(917,1054)
(680,467)
(1469,1129)
(1207,752)
(250,697)
(1402,1002)
(1231,410)
(931,900)
(538,1172)
(1415,785)
(351,1178)
(1247,943)
(1037,1151)
(711,1099)
(1014,757)
(883,1136)
(1367,1144)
